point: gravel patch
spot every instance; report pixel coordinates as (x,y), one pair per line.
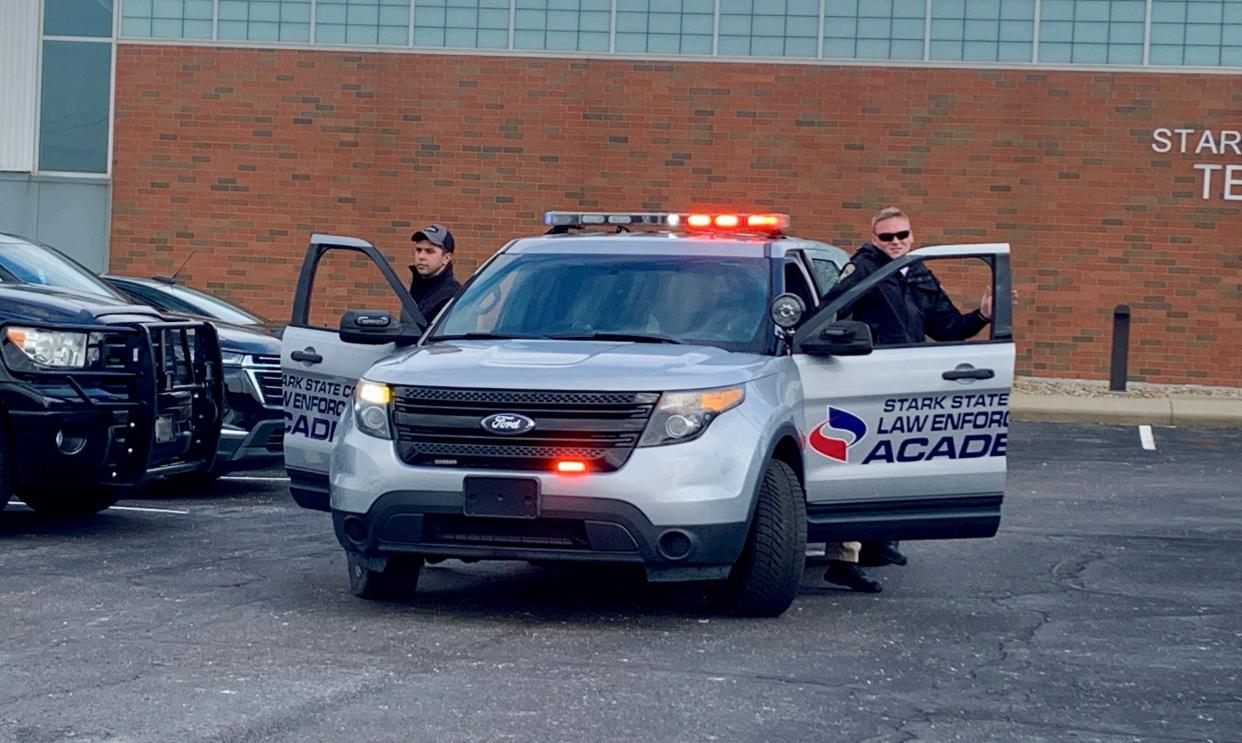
(1134,390)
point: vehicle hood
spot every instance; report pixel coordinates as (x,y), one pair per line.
(245,339)
(45,304)
(570,365)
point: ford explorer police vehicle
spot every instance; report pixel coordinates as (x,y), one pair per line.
(95,394)
(671,393)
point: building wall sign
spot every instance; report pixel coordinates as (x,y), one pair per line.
(1218,180)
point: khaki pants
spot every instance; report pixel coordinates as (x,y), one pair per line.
(843,551)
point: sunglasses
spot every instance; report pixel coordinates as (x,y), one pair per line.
(888,237)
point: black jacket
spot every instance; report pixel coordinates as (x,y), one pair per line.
(903,309)
(432,294)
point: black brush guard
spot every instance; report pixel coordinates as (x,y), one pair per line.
(161,386)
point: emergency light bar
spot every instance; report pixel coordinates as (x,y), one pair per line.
(762,223)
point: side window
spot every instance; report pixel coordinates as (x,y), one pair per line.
(943,295)
(826,274)
(348,280)
(797,282)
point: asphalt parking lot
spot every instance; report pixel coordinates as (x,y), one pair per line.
(1108,608)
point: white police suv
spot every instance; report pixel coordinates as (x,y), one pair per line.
(665,390)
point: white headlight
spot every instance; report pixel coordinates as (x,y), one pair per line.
(50,348)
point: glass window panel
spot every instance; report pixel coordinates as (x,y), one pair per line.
(1204,12)
(880,30)
(1016,51)
(1231,56)
(265,20)
(659,26)
(135,27)
(976,51)
(1096,31)
(77,18)
(467,23)
(366,22)
(1168,12)
(769,29)
(1202,55)
(75,106)
(1163,54)
(183,19)
(1054,52)
(1202,34)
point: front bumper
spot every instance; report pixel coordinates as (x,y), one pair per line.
(568,529)
(697,494)
(263,444)
(106,452)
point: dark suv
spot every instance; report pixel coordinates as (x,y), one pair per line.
(95,392)
(253,431)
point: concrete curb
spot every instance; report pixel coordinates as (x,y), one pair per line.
(1176,410)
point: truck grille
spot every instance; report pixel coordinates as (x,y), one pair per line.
(270,387)
(442,427)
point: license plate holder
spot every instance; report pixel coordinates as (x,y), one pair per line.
(165,429)
(503,497)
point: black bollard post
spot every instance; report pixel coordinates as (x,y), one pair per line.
(1121,348)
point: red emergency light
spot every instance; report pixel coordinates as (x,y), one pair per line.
(570,466)
(767,223)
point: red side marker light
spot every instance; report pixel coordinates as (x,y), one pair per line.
(570,466)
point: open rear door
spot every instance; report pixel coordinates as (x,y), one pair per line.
(909,442)
(319,369)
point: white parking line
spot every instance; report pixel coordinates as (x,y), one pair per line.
(1145,436)
(255,478)
(148,510)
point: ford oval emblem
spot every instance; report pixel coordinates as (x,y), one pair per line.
(507,424)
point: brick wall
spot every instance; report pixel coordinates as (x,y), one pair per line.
(240,154)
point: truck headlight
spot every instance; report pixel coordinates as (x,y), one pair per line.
(684,416)
(373,408)
(51,349)
(228,358)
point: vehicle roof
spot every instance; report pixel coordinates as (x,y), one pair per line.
(667,243)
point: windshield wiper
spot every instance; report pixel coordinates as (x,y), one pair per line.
(631,337)
(486,337)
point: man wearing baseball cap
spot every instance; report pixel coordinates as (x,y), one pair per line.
(432,283)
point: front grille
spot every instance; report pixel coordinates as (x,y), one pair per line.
(270,387)
(441,427)
(537,533)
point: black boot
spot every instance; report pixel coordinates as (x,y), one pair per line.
(875,554)
(849,574)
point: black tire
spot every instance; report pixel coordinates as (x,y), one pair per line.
(8,474)
(398,579)
(61,504)
(196,480)
(765,579)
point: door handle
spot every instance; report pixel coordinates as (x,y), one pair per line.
(307,357)
(968,373)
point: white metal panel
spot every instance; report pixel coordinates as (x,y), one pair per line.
(19,54)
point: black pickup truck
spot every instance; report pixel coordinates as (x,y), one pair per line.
(97,395)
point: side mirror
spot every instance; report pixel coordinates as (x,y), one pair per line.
(375,327)
(840,338)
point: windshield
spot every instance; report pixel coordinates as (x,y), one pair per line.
(661,299)
(205,304)
(32,263)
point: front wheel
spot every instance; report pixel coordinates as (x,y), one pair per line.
(60,504)
(398,579)
(765,579)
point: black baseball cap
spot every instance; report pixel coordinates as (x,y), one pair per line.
(436,234)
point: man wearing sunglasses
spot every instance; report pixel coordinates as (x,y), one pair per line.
(906,308)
